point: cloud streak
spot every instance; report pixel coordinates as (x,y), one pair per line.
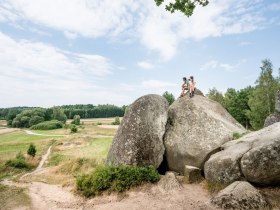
(152,26)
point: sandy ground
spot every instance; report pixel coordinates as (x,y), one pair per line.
(8,130)
(108,126)
(153,197)
(39,134)
(190,197)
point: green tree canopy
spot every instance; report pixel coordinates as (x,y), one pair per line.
(215,95)
(262,99)
(185,6)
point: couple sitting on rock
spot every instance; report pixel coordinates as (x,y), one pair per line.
(188,86)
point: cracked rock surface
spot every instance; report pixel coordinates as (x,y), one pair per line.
(240,195)
(196,128)
(139,139)
(255,157)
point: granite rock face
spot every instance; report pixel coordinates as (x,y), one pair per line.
(254,157)
(196,128)
(139,139)
(240,195)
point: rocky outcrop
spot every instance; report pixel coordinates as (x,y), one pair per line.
(240,195)
(277,102)
(274,117)
(271,119)
(139,139)
(196,128)
(169,182)
(254,157)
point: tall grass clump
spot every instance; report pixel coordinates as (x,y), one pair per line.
(115,178)
(48,125)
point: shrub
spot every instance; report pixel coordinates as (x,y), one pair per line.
(19,162)
(117,121)
(236,135)
(32,150)
(99,123)
(74,129)
(115,178)
(48,125)
(76,120)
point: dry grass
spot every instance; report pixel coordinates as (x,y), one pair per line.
(272,195)
(3,123)
(213,187)
(13,198)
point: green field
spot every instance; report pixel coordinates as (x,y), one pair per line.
(19,141)
(72,154)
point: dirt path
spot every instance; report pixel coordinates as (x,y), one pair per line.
(45,196)
(39,134)
(39,169)
(4,130)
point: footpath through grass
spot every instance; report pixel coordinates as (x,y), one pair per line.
(12,143)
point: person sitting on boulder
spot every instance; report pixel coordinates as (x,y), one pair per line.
(185,86)
(191,86)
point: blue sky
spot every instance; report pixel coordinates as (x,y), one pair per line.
(97,52)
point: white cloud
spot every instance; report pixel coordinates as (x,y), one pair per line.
(154,27)
(70,35)
(35,73)
(209,65)
(213,64)
(157,84)
(83,17)
(145,65)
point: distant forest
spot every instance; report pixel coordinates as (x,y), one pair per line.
(84,111)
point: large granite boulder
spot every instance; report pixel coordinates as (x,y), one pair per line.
(139,139)
(254,157)
(240,195)
(196,128)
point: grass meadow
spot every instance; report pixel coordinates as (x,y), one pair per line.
(72,154)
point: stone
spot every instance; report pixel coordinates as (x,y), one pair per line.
(254,157)
(240,195)
(192,174)
(196,128)
(271,119)
(169,182)
(139,138)
(277,102)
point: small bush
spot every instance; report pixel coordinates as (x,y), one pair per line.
(19,162)
(99,123)
(117,121)
(74,129)
(76,120)
(238,135)
(48,125)
(32,150)
(115,178)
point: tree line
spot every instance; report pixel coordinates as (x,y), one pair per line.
(251,105)
(25,117)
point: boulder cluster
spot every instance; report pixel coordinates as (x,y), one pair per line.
(194,137)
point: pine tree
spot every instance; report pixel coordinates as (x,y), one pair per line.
(32,150)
